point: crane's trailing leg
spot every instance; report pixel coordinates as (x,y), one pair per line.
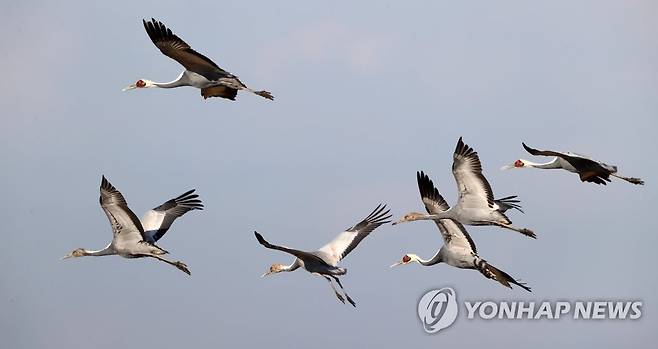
(263,93)
(340,297)
(180,265)
(633,180)
(524,231)
(344,292)
(235,83)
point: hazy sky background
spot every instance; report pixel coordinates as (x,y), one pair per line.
(367,93)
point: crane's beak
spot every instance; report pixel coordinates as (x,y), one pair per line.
(396,264)
(67,256)
(401,220)
(129,87)
(266,274)
(507,167)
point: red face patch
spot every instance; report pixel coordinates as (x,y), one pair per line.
(518,163)
(406,259)
(140,83)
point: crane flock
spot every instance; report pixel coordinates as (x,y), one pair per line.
(475,206)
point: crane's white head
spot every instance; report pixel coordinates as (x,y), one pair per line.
(78,252)
(516,164)
(409,217)
(406,259)
(141,83)
(275,268)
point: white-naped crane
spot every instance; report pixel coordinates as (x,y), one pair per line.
(458,248)
(588,169)
(324,261)
(200,71)
(476,204)
(135,239)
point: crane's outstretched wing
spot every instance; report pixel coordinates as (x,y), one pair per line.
(453,232)
(303,255)
(157,221)
(589,170)
(474,189)
(548,152)
(346,241)
(174,47)
(125,224)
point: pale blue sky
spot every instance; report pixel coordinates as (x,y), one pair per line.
(366,95)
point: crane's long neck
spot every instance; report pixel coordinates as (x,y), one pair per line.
(292,267)
(181,80)
(450,213)
(107,251)
(171,84)
(436,259)
(548,165)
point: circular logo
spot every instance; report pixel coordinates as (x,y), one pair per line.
(437,309)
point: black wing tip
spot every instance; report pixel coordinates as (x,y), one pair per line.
(153,21)
(156,30)
(379,215)
(460,144)
(188,192)
(190,200)
(105,184)
(425,184)
(188,195)
(530,150)
(261,239)
(463,148)
(427,189)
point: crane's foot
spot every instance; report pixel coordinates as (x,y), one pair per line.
(340,298)
(350,300)
(528,233)
(181,266)
(635,181)
(265,94)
